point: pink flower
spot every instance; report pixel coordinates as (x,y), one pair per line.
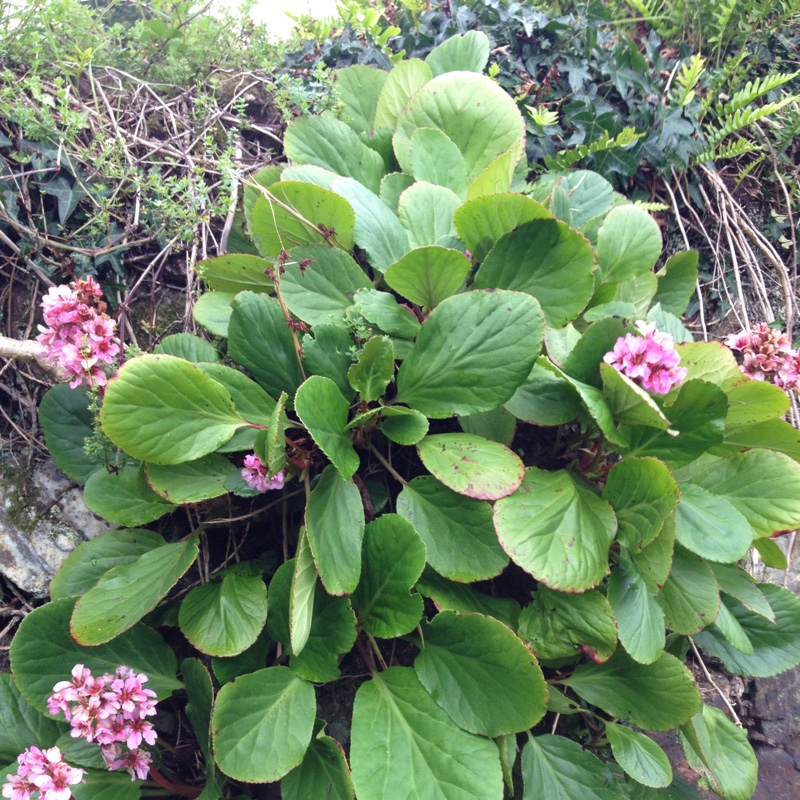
(767,355)
(650,360)
(136,761)
(43,771)
(256,474)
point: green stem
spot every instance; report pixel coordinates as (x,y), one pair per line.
(390,469)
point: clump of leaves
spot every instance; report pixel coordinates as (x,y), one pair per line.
(486,530)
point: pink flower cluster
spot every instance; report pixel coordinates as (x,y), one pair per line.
(43,771)
(256,474)
(79,334)
(767,355)
(650,360)
(109,710)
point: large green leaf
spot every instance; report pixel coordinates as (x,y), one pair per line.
(358,89)
(753,402)
(546,259)
(557,768)
(471,354)
(499,175)
(165,410)
(262,724)
(21,725)
(472,110)
(200,691)
(329,143)
(192,481)
(560,624)
(332,632)
(223,618)
(557,529)
(776,646)
(383,309)
(319,282)
(253,186)
(763,485)
(481,674)
(655,561)
(43,653)
(104,785)
(639,756)
(301,595)
(323,772)
(213,310)
(89,561)
(377,229)
(393,558)
(329,353)
(335,528)
(586,355)
(67,422)
(642,493)
(710,361)
(126,593)
(404,80)
(457,531)
(738,583)
(640,619)
(468,52)
(498,425)
(124,497)
(628,244)
(426,212)
(710,526)
(428,275)
(249,399)
(545,399)
(323,410)
(589,195)
(720,751)
(252,659)
(628,402)
(236,272)
(371,374)
(471,465)
(677,281)
(436,160)
(690,597)
(656,697)
(260,339)
(402,739)
(773,434)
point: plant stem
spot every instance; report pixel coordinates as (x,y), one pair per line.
(377,651)
(183,791)
(390,469)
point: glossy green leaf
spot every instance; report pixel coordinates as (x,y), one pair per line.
(642,493)
(640,619)
(655,561)
(124,497)
(457,531)
(358,89)
(223,618)
(383,310)
(639,756)
(771,554)
(323,410)
(213,311)
(165,410)
(301,597)
(188,347)
(481,674)
(498,176)
(557,529)
(403,425)
(251,660)
(270,712)
(426,212)
(329,353)
(67,421)
(330,143)
(732,631)
(586,355)
(471,465)
(322,773)
(472,353)
(669,323)
(628,244)
(401,738)
(309,173)
(105,785)
(753,402)
(236,272)
(319,282)
(393,558)
(738,583)
(256,319)
(393,185)
(628,402)
(588,195)
(43,653)
(249,399)
(497,425)
(776,646)
(89,561)
(127,592)
(377,228)
(560,769)
(468,52)
(428,275)
(656,697)
(690,597)
(335,528)
(200,691)
(436,160)
(677,282)
(545,399)
(371,374)
(710,526)
(710,361)
(773,434)
(547,259)
(21,725)
(253,186)
(192,481)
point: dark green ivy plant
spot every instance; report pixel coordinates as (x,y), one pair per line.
(500,545)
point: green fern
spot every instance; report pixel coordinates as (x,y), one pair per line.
(687,80)
(743,173)
(652,208)
(567,158)
(742,118)
(731,150)
(753,90)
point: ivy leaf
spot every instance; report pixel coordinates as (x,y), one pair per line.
(323,772)
(639,756)
(556,529)
(270,712)
(403,739)
(124,497)
(126,593)
(428,275)
(335,528)
(457,531)
(690,597)
(471,354)
(656,697)
(471,465)
(371,374)
(393,558)
(223,618)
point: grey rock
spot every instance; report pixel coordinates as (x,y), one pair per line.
(42,520)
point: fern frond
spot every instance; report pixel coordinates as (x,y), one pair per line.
(542,116)
(731,150)
(753,90)
(687,79)
(652,208)
(788,125)
(567,158)
(715,133)
(723,13)
(749,168)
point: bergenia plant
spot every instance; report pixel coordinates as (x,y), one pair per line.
(508,494)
